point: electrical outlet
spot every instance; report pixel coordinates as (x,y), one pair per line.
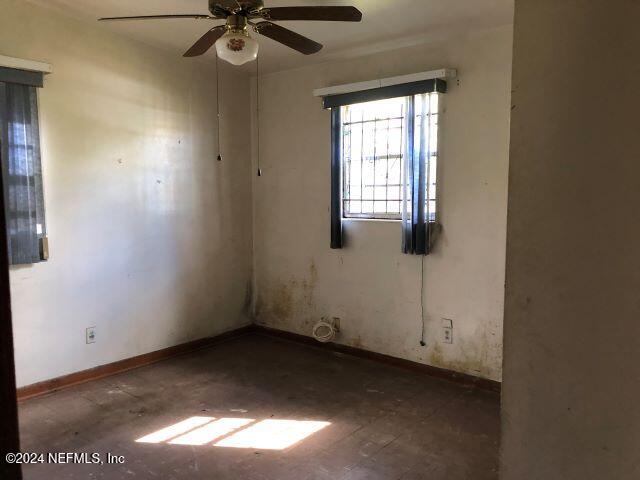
(91,335)
(447,335)
(447,330)
(336,324)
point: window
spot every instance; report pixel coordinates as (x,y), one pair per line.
(21,170)
(372,153)
(375,139)
(384,155)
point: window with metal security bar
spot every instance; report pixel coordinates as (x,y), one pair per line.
(375,137)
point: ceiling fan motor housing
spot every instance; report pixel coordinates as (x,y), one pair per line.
(236,23)
(241,7)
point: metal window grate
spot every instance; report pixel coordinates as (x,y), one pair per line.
(373,152)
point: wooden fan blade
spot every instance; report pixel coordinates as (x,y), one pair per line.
(155,17)
(287,37)
(329,14)
(206,41)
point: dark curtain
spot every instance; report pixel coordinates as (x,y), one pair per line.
(417,227)
(21,169)
(336,179)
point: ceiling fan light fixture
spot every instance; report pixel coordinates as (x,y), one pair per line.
(232,41)
(237,47)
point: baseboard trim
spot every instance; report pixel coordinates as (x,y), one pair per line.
(102,371)
(460,378)
(59,383)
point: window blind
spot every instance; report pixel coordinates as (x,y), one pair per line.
(21,172)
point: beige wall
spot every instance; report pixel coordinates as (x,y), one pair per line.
(369,284)
(572,314)
(150,236)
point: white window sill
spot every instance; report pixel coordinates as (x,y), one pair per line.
(376,220)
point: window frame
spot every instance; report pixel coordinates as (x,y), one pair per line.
(39,251)
(407,128)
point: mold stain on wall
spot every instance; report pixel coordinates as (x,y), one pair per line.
(286,304)
(370,284)
(473,359)
(291,306)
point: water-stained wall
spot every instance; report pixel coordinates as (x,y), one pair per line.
(370,284)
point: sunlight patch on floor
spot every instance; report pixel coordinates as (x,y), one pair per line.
(211,431)
(271,434)
(173,431)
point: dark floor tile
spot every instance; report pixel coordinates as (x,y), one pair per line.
(383,422)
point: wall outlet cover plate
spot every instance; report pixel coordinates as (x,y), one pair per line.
(447,336)
(91,335)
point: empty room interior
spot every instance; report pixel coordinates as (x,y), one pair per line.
(333,240)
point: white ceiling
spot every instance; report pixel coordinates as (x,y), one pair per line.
(386,24)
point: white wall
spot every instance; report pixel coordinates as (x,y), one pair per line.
(572,310)
(150,236)
(369,284)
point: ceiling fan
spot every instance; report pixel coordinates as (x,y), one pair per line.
(232,40)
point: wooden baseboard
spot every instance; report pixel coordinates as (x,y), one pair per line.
(461,378)
(59,383)
(48,386)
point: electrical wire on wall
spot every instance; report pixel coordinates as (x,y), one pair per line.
(422,335)
(218,107)
(258,116)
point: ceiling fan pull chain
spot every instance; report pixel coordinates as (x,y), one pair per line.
(258,114)
(218,108)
